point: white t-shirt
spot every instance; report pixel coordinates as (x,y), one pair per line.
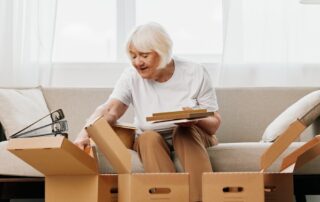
(189,86)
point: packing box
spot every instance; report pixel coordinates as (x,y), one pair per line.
(71,175)
(263,186)
(137,187)
(301,156)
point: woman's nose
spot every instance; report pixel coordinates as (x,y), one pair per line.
(139,61)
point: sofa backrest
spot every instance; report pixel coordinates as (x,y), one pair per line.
(78,104)
(245,111)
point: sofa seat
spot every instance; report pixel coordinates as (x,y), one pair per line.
(228,157)
(225,157)
(231,157)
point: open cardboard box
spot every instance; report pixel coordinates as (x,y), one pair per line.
(301,156)
(263,186)
(70,173)
(137,187)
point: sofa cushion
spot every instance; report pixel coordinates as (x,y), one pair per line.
(21,107)
(244,156)
(292,113)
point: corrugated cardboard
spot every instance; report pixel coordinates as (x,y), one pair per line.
(71,174)
(276,187)
(137,187)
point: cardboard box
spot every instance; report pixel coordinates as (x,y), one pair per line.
(302,155)
(71,175)
(144,187)
(261,186)
(126,132)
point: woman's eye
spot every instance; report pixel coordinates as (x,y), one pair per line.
(144,55)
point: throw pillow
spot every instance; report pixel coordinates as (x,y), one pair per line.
(292,113)
(19,108)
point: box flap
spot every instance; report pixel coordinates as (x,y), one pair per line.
(281,144)
(124,125)
(293,156)
(53,155)
(126,133)
(307,156)
(110,145)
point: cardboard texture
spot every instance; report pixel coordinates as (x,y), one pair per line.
(126,133)
(70,173)
(110,145)
(137,187)
(159,187)
(225,187)
(276,187)
(177,115)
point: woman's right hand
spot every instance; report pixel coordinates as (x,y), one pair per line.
(83,140)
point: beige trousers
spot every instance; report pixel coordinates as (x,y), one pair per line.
(190,145)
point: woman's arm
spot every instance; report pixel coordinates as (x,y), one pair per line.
(111,111)
(210,124)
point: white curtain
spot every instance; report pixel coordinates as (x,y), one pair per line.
(270,43)
(26,38)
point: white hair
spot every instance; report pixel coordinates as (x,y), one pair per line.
(151,37)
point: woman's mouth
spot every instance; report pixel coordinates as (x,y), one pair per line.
(143,68)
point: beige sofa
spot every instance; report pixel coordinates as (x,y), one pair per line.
(246,112)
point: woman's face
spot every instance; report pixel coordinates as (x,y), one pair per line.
(146,63)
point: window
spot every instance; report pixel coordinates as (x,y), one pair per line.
(195,26)
(85,31)
(95,30)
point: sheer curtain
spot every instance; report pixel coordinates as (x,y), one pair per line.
(26,38)
(270,43)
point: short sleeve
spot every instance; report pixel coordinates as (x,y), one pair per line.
(122,89)
(207,95)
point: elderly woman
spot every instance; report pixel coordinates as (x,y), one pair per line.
(158,82)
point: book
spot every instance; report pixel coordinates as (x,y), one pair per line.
(183,115)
